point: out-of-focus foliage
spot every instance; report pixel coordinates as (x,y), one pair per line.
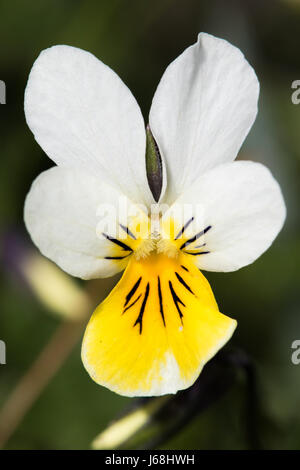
(138,39)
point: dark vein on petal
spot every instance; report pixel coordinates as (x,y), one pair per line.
(183,267)
(200,246)
(116,257)
(176,301)
(182,281)
(140,317)
(129,232)
(132,291)
(132,304)
(197,253)
(184,228)
(161,302)
(195,237)
(117,242)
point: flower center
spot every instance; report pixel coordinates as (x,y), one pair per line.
(159,236)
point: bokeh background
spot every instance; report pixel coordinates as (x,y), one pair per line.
(138,39)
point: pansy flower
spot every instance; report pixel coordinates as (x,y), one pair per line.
(159,326)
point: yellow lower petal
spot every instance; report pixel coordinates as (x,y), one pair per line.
(155,331)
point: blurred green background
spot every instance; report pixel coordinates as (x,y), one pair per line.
(138,39)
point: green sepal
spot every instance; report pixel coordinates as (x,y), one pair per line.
(153,165)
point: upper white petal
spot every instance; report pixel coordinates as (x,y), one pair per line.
(243,204)
(203,108)
(63,211)
(82,114)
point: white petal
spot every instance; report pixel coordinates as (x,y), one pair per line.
(243,204)
(64,212)
(203,108)
(82,114)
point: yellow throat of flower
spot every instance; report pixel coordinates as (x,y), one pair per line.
(159,326)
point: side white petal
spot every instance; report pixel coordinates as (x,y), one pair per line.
(203,108)
(82,114)
(243,205)
(64,214)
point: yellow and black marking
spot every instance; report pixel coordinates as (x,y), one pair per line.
(131,238)
(156,329)
(132,304)
(191,240)
(182,281)
(132,291)
(120,244)
(177,301)
(183,239)
(139,320)
(161,306)
(185,226)
(128,231)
